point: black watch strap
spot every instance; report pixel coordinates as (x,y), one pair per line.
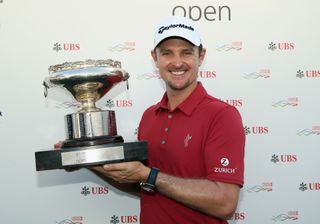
(150,184)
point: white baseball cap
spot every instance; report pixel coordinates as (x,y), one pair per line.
(177,26)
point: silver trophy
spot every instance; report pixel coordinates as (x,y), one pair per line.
(91,133)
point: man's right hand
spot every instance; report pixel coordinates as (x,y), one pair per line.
(57,145)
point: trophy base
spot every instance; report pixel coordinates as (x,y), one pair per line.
(86,156)
(91,141)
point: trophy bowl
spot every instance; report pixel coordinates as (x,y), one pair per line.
(91,133)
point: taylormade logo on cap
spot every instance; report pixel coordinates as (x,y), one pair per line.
(177,26)
(163,28)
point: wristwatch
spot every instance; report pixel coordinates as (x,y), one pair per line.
(150,185)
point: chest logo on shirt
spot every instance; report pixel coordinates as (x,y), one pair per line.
(186,140)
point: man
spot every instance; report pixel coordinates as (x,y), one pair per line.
(196,142)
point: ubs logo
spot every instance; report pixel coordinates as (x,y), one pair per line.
(119,103)
(66,47)
(124,219)
(309,186)
(208,74)
(239,216)
(136,131)
(234,102)
(99,190)
(283,46)
(284,158)
(310,73)
(258,130)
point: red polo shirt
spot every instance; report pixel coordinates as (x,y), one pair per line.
(202,138)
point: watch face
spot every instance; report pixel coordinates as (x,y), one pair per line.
(147,187)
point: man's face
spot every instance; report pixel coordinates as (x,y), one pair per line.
(178,62)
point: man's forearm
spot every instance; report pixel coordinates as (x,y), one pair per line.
(130,188)
(213,198)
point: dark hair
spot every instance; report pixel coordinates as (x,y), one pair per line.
(200,48)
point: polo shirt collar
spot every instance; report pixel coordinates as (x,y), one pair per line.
(187,106)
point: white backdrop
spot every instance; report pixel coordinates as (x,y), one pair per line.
(262,57)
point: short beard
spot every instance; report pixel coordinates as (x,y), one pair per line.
(185,86)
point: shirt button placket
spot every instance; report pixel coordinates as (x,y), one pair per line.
(166,129)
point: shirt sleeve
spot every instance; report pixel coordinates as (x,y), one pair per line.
(224,149)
